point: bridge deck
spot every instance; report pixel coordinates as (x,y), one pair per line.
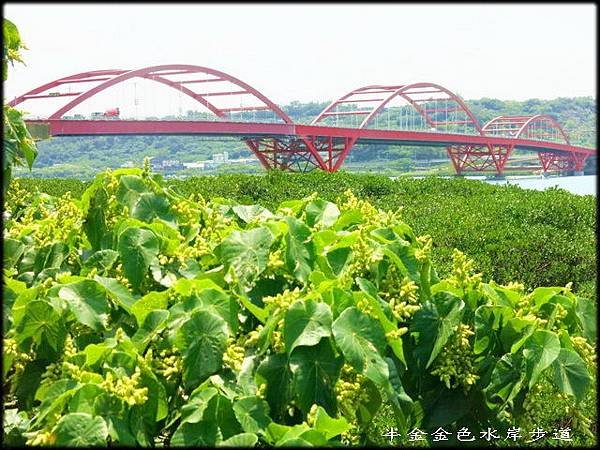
(59,127)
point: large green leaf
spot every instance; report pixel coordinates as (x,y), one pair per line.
(117,292)
(449,407)
(300,435)
(570,374)
(50,256)
(87,301)
(321,212)
(306,322)
(13,250)
(246,252)
(366,411)
(489,320)
(12,290)
(153,324)
(347,219)
(539,351)
(53,397)
(130,188)
(202,341)
(299,249)
(156,407)
(585,310)
(402,254)
(101,260)
(506,381)
(315,371)
(81,430)
(120,431)
(40,319)
(137,248)
(274,371)
(148,303)
(362,341)
(250,213)
(193,410)
(435,323)
(329,426)
(380,309)
(201,434)
(515,333)
(21,302)
(208,295)
(335,261)
(240,440)
(542,295)
(220,411)
(83,400)
(501,296)
(252,413)
(94,225)
(149,206)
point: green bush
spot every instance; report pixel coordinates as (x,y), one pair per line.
(538,238)
(174,320)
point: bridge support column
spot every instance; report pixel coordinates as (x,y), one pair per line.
(332,150)
(295,155)
(562,162)
(479,158)
(579,161)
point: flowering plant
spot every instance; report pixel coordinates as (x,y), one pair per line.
(182,321)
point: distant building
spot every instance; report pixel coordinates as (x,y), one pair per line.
(243,161)
(166,164)
(195,165)
(220,157)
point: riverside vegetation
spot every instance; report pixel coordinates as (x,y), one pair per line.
(148,314)
(500,227)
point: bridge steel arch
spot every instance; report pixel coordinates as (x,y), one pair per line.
(538,127)
(302,148)
(337,151)
(272,153)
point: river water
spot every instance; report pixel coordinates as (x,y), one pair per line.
(582,184)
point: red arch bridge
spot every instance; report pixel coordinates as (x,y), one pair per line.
(429,115)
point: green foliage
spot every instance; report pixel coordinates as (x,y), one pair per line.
(188,324)
(11,47)
(18,144)
(504,237)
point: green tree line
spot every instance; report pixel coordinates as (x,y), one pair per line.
(83,156)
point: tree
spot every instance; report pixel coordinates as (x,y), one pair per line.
(18,143)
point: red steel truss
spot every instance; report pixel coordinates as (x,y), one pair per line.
(539,127)
(377,97)
(322,144)
(103,79)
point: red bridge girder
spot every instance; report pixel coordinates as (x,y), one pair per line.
(378,96)
(104,79)
(303,148)
(538,127)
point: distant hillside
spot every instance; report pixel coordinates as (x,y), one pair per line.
(83,156)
